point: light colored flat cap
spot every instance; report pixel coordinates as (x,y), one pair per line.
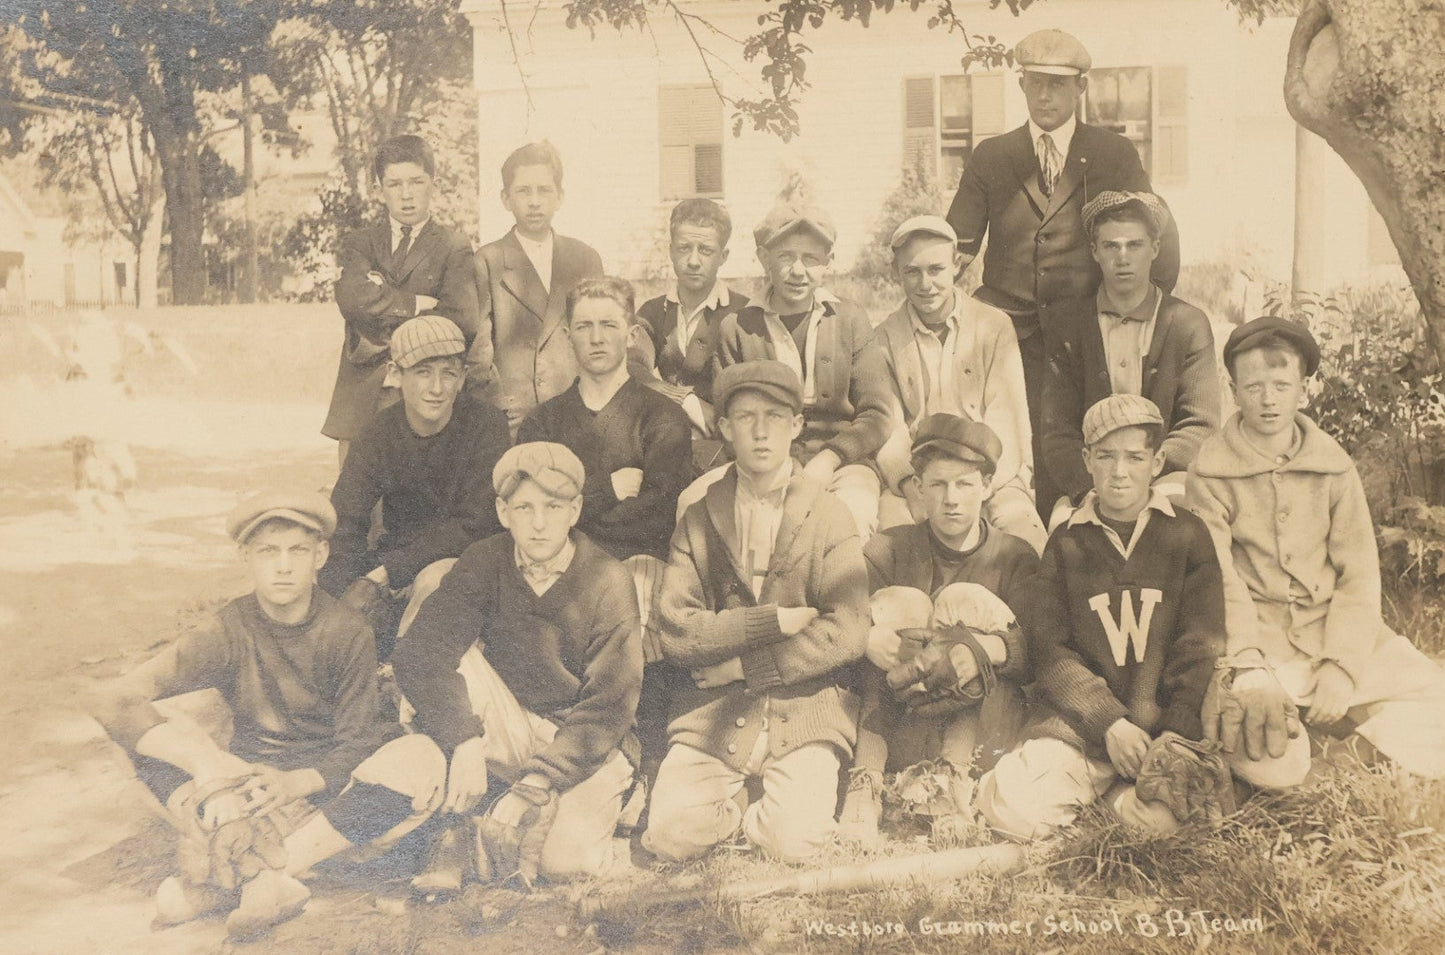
(426,336)
(553,466)
(306,508)
(1054,52)
(1119,411)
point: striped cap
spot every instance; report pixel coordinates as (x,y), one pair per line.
(423,337)
(1151,205)
(1119,411)
(553,466)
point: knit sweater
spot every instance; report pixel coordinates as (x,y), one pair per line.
(693,368)
(1118,636)
(638,428)
(1295,533)
(850,411)
(436,493)
(572,655)
(791,681)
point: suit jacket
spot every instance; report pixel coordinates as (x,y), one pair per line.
(521,355)
(990,377)
(1038,254)
(439,264)
(1180,375)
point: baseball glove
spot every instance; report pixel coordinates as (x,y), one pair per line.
(233,852)
(926,678)
(1188,777)
(517,850)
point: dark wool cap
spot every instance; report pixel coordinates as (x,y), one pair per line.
(1253,333)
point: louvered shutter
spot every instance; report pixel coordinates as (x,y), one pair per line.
(919,122)
(1171,130)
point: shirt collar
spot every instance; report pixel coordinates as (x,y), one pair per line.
(535,245)
(1088,511)
(822,298)
(1143,312)
(746,487)
(554,567)
(396,228)
(1062,136)
(952,319)
(715,299)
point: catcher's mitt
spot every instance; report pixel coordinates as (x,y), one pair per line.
(1188,777)
(233,852)
(927,678)
(517,850)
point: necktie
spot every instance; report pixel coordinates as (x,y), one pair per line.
(1050,162)
(402,248)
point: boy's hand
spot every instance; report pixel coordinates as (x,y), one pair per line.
(792,620)
(626,482)
(823,465)
(719,674)
(882,649)
(1249,701)
(1333,689)
(270,787)
(466,778)
(1127,744)
(425,303)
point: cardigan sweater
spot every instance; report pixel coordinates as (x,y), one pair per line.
(638,428)
(791,682)
(693,368)
(1296,534)
(1180,375)
(850,410)
(436,493)
(1116,636)
(572,655)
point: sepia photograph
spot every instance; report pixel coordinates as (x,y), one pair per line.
(676,477)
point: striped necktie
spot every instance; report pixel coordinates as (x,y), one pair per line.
(398,258)
(1050,162)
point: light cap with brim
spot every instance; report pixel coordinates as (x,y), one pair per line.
(553,467)
(1110,414)
(785,218)
(305,508)
(426,336)
(1151,205)
(922,225)
(1054,52)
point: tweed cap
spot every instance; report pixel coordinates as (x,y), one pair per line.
(771,378)
(306,508)
(1256,332)
(553,466)
(426,336)
(922,225)
(1052,51)
(966,440)
(785,218)
(1151,205)
(1119,411)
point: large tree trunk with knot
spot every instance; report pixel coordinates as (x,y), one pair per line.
(1368,76)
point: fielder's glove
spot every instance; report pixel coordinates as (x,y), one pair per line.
(517,849)
(1188,777)
(926,678)
(233,852)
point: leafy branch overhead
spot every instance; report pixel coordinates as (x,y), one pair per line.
(781,45)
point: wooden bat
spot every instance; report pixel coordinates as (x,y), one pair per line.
(1000,859)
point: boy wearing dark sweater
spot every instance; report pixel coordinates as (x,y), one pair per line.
(311,769)
(764,604)
(525,665)
(954,568)
(1129,622)
(428,460)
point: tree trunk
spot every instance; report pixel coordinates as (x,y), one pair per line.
(148,258)
(1366,76)
(179,155)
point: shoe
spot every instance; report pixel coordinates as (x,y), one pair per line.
(862,807)
(267,900)
(446,865)
(179,900)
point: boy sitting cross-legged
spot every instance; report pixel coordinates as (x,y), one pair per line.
(309,771)
(1302,579)
(1129,623)
(764,601)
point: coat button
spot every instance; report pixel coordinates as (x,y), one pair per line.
(782,719)
(732,747)
(742,721)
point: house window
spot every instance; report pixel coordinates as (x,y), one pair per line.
(1148,106)
(945,117)
(691,133)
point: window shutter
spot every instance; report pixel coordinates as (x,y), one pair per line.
(690,134)
(919,122)
(1171,134)
(988,110)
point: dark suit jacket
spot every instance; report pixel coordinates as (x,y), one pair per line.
(521,354)
(439,264)
(1180,375)
(1038,254)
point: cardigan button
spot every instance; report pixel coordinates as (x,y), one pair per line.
(742,721)
(782,719)
(732,747)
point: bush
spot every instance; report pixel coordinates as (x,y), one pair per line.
(917,193)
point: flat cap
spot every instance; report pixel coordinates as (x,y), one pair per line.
(966,440)
(1153,208)
(306,508)
(1271,328)
(771,378)
(922,225)
(1120,411)
(426,336)
(785,218)
(1052,51)
(553,466)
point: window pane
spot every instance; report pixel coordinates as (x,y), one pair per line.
(955,98)
(677,175)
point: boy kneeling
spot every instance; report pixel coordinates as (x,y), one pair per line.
(1129,623)
(764,600)
(306,775)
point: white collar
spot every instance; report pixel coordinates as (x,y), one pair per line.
(416,228)
(535,244)
(1088,511)
(716,298)
(780,481)
(821,299)
(1062,137)
(953,318)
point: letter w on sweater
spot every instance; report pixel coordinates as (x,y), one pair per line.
(1127,628)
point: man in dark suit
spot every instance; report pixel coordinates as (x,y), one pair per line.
(521,353)
(406,266)
(1026,189)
